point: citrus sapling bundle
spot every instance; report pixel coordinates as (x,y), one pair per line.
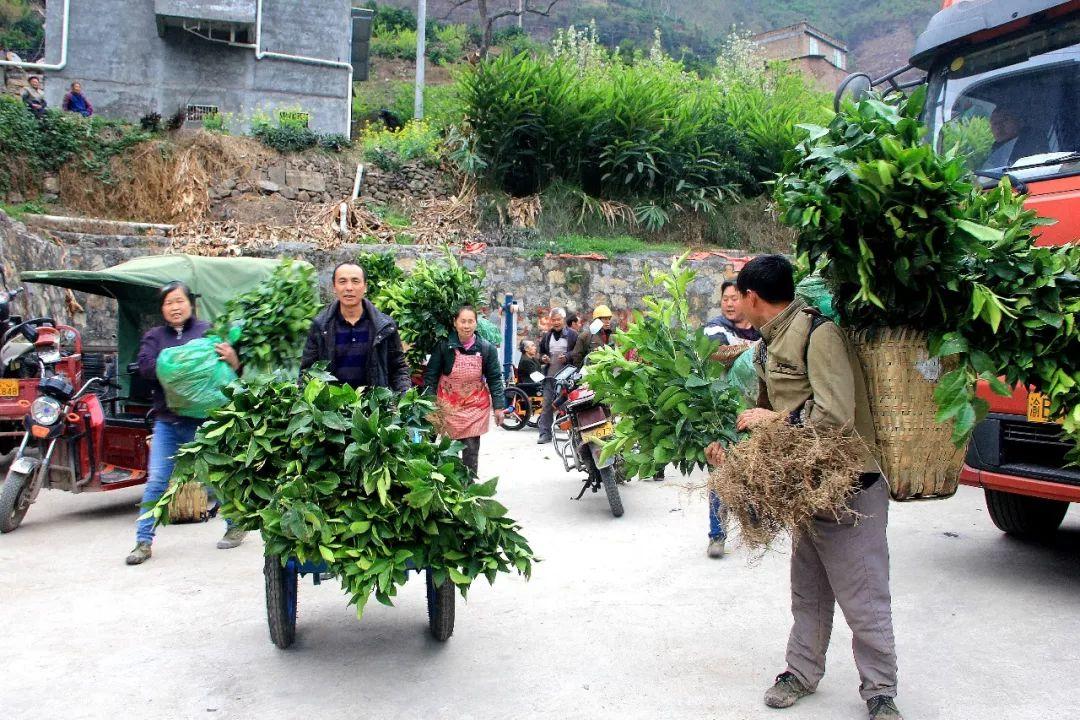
(424,303)
(904,238)
(270,322)
(356,480)
(670,397)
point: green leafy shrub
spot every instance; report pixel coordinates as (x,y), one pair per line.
(642,130)
(22,27)
(334,142)
(273,319)
(286,138)
(28,145)
(389,18)
(380,271)
(331,475)
(695,405)
(618,131)
(395,44)
(214,122)
(416,140)
(423,304)
(448,44)
(886,219)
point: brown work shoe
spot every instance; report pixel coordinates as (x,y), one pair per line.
(716,548)
(233,537)
(787,690)
(881,707)
(140,554)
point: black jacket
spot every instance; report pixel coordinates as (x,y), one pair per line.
(587,342)
(386,365)
(571,342)
(441,363)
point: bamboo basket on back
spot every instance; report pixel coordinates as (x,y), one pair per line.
(916,452)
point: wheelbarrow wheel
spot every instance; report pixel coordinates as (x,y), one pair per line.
(281,584)
(440,608)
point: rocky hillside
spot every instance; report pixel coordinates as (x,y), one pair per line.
(879,32)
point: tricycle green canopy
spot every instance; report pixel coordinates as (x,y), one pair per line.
(134,285)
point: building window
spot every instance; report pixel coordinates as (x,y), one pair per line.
(197,112)
(814,49)
(838,58)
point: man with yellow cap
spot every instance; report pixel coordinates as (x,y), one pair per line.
(589,340)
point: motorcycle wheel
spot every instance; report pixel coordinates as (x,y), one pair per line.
(611,489)
(14,500)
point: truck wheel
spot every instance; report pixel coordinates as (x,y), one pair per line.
(14,500)
(611,489)
(1023,516)
(440,608)
(281,599)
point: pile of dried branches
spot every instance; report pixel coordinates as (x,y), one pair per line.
(778,479)
(318,225)
(451,220)
(158,181)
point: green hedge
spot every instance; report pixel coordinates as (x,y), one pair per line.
(635,132)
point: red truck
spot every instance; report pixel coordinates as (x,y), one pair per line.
(1004,76)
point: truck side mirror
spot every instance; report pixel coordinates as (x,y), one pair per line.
(854,87)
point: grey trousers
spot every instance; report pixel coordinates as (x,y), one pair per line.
(470,454)
(845,563)
(548,412)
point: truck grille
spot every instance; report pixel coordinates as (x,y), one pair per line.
(1038,443)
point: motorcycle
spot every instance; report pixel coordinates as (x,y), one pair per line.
(580,427)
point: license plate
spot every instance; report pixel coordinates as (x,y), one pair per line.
(599,433)
(1038,409)
(9,388)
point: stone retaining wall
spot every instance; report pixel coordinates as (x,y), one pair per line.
(537,282)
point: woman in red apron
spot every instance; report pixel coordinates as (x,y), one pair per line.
(467,376)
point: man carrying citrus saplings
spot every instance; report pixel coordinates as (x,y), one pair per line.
(809,375)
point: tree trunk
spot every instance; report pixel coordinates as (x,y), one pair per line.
(488,25)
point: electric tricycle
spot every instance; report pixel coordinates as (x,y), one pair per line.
(83,431)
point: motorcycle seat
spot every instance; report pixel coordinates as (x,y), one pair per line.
(127,420)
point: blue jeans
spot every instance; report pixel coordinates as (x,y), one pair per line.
(167,439)
(717,517)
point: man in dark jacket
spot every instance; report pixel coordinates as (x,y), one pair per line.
(587,340)
(555,349)
(361,344)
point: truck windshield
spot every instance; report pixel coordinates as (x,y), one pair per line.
(1013,105)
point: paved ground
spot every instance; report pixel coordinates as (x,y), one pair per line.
(624,619)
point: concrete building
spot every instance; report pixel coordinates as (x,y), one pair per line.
(819,56)
(235,57)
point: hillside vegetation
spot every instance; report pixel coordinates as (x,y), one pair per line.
(699,27)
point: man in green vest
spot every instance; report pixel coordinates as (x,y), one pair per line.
(809,375)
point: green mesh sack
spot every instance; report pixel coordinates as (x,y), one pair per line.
(487,330)
(743,377)
(193,377)
(814,292)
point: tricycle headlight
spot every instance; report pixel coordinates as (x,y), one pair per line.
(45,411)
